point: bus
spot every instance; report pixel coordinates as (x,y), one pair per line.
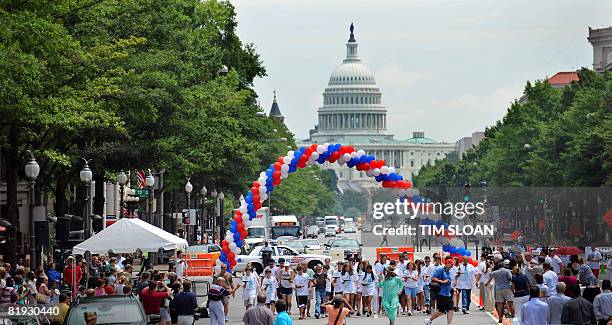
(285,226)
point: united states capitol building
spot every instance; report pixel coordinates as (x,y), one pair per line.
(353,114)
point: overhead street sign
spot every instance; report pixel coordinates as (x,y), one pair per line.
(141,192)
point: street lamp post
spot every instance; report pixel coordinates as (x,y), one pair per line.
(32,169)
(221,221)
(150,181)
(203,233)
(188,190)
(122,180)
(86,176)
(214,195)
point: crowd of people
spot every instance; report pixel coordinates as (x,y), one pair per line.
(531,287)
(534,287)
(163,294)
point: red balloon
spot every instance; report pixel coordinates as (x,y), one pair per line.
(257,205)
(350,149)
(238,218)
(256,184)
(474,263)
(364,166)
(308,152)
(254,190)
(232,263)
(386,184)
(243,234)
(225,249)
(277,166)
(276,174)
(240,226)
(335,155)
(276,182)
(230,256)
(301,164)
(280,160)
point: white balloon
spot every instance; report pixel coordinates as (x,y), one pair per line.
(315,155)
(291,154)
(360,153)
(263,174)
(456,242)
(286,160)
(326,145)
(218,267)
(229,239)
(244,210)
(353,154)
(384,170)
(285,167)
(320,149)
(247,223)
(346,156)
(232,246)
(262,189)
(375,171)
(237,251)
(261,182)
(369,173)
(263,197)
(218,262)
(391,170)
(284,175)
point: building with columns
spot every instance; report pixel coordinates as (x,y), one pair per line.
(601,40)
(353,114)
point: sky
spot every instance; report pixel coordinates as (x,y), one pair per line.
(445,67)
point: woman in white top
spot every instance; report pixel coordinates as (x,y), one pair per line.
(360,270)
(269,284)
(411,276)
(368,281)
(348,282)
(337,275)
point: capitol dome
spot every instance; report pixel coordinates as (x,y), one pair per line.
(352,102)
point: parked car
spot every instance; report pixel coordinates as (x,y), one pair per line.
(330,231)
(111,309)
(304,245)
(351,247)
(278,251)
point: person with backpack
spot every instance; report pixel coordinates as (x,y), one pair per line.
(337,310)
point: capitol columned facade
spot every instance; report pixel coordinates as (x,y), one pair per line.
(353,114)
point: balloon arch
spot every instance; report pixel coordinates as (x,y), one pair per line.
(300,158)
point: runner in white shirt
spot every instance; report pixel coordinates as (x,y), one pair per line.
(555,262)
(249,288)
(593,260)
(465,283)
(269,284)
(302,284)
(410,277)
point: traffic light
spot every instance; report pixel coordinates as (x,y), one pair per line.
(466,191)
(185,216)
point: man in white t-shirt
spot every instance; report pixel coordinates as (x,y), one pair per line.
(465,282)
(555,261)
(181,265)
(593,259)
(550,279)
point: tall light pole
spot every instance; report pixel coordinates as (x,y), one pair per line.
(150,181)
(122,180)
(188,190)
(221,221)
(86,176)
(214,195)
(203,233)
(32,170)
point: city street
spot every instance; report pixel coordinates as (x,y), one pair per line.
(369,253)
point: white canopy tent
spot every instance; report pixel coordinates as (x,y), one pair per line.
(128,235)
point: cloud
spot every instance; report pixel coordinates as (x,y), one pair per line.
(471,112)
(400,77)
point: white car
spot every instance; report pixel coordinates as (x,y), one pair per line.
(278,251)
(330,231)
(350,227)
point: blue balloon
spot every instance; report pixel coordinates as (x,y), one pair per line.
(294,161)
(250,207)
(350,164)
(446,248)
(461,250)
(271,167)
(222,257)
(321,159)
(468,253)
(236,237)
(452,250)
(252,214)
(233,228)
(292,168)
(270,187)
(379,178)
(269,173)
(248,199)
(239,242)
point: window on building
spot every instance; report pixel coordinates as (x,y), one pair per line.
(438,154)
(412,163)
(412,153)
(340,174)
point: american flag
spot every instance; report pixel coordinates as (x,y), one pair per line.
(140,174)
